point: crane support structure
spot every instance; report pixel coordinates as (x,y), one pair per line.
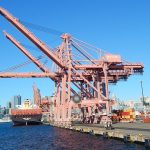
(82,75)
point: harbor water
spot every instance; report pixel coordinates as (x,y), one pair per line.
(44,137)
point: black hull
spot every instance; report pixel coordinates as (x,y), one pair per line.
(26,119)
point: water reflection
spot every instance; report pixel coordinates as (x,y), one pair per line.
(49,138)
(67,139)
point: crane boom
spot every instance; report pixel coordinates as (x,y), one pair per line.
(30,36)
(25,75)
(33,59)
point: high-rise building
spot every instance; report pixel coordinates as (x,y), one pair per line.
(36,95)
(16,100)
(8,105)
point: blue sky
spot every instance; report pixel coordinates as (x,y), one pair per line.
(117,26)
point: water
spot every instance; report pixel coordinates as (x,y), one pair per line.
(44,137)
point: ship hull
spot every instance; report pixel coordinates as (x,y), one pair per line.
(26,119)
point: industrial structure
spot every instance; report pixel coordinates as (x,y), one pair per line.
(81,75)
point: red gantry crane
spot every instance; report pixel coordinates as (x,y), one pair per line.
(81,77)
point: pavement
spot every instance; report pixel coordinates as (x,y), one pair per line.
(125,128)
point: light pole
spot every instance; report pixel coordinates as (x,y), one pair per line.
(143,98)
(142,92)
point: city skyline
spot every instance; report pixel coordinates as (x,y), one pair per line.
(117,27)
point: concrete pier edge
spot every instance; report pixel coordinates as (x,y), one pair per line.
(132,138)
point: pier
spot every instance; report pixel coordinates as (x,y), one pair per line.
(128,132)
(83,101)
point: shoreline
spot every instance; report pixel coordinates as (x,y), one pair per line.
(135,133)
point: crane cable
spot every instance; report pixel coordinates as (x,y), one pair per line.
(42,28)
(30,47)
(21,65)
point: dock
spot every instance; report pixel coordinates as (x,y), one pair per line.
(128,132)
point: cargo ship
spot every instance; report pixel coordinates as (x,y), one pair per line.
(26,114)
